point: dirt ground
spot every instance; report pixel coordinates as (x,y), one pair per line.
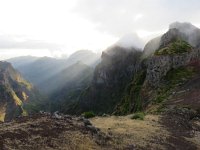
(171,130)
(48,133)
(155,132)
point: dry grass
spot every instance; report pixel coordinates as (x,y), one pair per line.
(126,131)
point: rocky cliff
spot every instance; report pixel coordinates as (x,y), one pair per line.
(15,92)
(171,66)
(158,66)
(126,81)
(115,70)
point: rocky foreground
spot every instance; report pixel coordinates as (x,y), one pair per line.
(45,131)
(175,129)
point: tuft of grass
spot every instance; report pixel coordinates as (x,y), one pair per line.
(177,47)
(89,114)
(138,116)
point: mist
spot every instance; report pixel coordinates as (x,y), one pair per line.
(84,24)
(192,33)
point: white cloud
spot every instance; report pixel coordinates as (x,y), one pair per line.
(86,24)
(138,16)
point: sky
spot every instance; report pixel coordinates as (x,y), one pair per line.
(57,28)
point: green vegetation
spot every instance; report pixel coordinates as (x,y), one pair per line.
(132,95)
(179,75)
(177,47)
(173,78)
(138,116)
(89,114)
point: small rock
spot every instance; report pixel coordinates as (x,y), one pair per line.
(68,117)
(86,122)
(92,128)
(56,115)
(105,115)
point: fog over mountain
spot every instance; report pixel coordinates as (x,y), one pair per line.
(85,25)
(100,74)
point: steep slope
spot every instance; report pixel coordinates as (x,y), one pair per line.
(125,82)
(172,66)
(15,92)
(116,69)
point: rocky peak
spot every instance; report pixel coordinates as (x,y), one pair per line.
(189,32)
(183,31)
(115,60)
(171,36)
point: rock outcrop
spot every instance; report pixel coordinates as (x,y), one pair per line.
(158,66)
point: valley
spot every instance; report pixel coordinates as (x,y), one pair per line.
(128,98)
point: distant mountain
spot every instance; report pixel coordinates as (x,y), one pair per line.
(67,86)
(22,61)
(36,69)
(72,76)
(85,56)
(15,93)
(40,71)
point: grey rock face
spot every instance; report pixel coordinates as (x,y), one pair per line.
(158,66)
(116,63)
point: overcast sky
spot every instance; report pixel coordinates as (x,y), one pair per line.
(60,27)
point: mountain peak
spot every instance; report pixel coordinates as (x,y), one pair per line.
(130,41)
(182,26)
(190,33)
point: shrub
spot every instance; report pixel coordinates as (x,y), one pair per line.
(177,47)
(89,114)
(138,115)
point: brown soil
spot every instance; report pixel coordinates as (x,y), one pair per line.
(41,132)
(176,129)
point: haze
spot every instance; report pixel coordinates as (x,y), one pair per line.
(57,28)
